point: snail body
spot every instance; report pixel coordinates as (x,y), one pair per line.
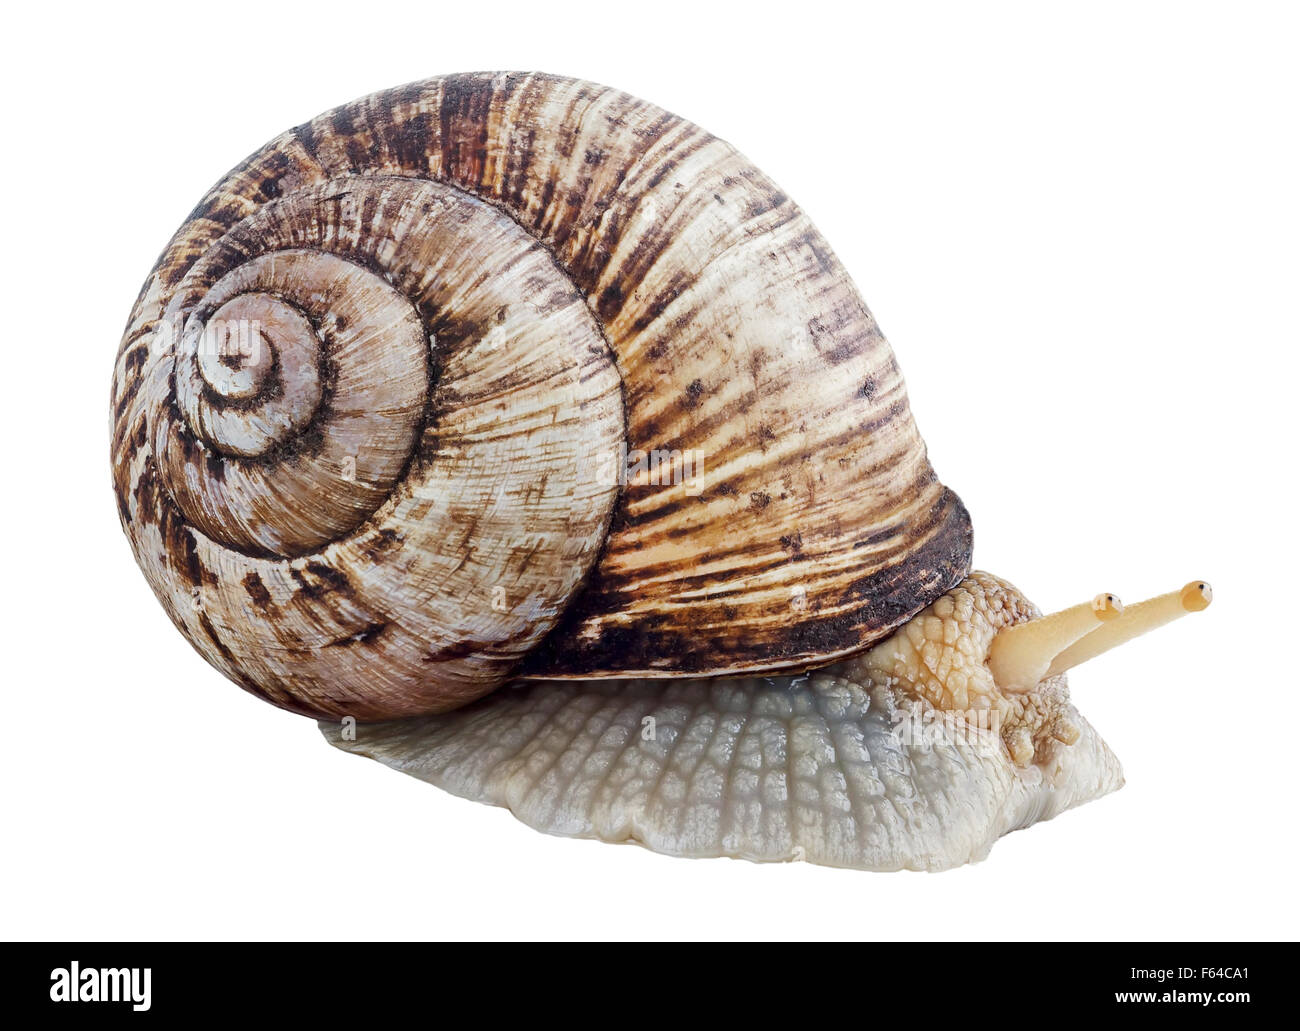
(515,392)
(851,765)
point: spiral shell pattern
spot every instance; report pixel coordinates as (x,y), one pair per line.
(373,406)
(300,448)
(270,429)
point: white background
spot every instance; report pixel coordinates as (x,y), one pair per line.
(1078,225)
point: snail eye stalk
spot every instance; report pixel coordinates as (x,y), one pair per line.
(1020,656)
(1135,621)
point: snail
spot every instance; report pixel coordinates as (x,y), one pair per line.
(536,444)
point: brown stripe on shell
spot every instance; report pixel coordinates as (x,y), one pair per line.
(805,636)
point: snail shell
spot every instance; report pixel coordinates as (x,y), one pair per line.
(461,305)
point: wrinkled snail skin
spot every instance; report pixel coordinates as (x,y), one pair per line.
(380,421)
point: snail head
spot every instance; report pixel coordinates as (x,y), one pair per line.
(983,652)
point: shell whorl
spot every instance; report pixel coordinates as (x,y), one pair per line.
(306,420)
(371,406)
(359,425)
